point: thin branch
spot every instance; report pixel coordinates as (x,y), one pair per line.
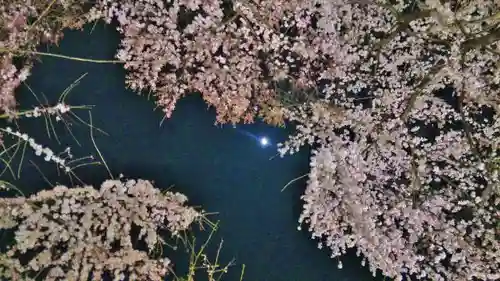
(97,149)
(294,180)
(3,50)
(41,173)
(45,12)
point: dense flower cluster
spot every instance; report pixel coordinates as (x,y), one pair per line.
(23,26)
(70,233)
(10,79)
(405,138)
(232,52)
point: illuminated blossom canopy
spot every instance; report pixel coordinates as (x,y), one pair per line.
(398,98)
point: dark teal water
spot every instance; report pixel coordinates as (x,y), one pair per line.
(219,168)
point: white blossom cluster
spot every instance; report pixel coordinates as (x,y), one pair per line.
(229,51)
(10,78)
(39,150)
(405,137)
(58,109)
(23,26)
(74,233)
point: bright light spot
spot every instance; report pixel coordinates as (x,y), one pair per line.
(264,141)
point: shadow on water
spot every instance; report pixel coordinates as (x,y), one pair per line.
(218,168)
